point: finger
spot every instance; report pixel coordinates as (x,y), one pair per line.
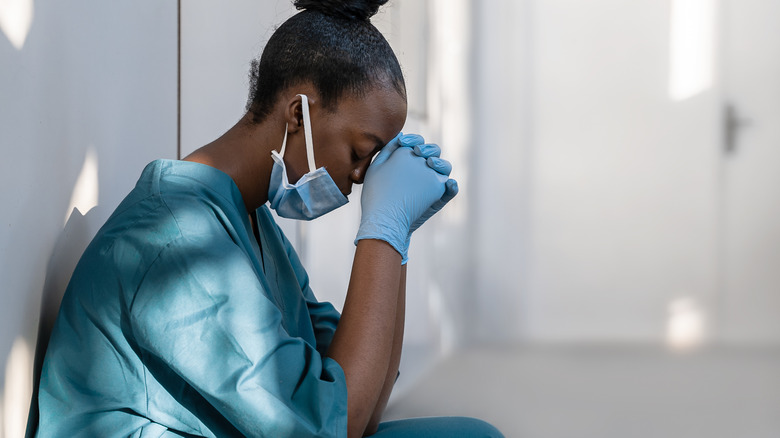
(442,166)
(388,150)
(450,190)
(427,150)
(411,140)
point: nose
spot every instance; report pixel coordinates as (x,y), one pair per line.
(357,176)
(359,173)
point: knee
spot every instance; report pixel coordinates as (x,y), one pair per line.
(438,427)
(474,427)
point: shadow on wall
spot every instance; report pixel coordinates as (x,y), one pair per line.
(44,145)
(70,245)
(76,83)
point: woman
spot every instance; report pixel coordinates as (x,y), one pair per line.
(190,314)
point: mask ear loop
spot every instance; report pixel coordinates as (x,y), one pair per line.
(284,142)
(306,133)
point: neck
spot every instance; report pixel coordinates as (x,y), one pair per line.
(244,153)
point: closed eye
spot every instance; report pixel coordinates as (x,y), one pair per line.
(378,144)
(366,155)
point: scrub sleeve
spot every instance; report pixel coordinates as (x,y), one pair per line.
(176,323)
(215,333)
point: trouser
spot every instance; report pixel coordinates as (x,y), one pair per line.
(434,427)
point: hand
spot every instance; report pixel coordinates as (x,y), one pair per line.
(400,188)
(431,153)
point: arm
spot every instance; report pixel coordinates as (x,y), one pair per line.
(364,339)
(401,190)
(395,360)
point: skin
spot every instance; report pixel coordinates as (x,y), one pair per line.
(367,342)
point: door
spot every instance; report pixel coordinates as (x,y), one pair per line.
(750,234)
(624,187)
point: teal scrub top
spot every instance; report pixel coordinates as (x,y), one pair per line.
(176,323)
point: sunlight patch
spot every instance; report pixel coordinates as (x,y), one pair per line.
(16,18)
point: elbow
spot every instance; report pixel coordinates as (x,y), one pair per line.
(376,418)
(373,422)
(359,425)
(371,428)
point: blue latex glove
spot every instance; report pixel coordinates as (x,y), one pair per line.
(400,188)
(431,153)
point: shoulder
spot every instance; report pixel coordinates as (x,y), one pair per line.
(173,210)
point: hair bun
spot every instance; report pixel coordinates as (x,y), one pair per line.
(351,9)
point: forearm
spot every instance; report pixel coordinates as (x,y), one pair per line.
(395,359)
(403,187)
(364,340)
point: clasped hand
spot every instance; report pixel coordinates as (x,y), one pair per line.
(405,185)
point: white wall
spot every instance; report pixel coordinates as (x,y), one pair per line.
(624,184)
(500,160)
(750,278)
(604,209)
(218,44)
(87,98)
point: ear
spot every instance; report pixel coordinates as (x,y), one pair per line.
(293,114)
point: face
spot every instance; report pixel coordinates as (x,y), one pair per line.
(346,139)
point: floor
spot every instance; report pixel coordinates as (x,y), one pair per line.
(604,392)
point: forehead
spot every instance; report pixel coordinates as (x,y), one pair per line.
(380,112)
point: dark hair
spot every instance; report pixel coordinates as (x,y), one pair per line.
(331,44)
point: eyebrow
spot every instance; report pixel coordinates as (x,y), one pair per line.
(377,141)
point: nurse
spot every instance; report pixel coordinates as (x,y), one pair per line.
(190,314)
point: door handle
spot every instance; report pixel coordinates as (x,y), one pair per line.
(732,124)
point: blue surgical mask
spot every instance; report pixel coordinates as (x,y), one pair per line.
(314,194)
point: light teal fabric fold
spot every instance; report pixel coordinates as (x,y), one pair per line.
(176,324)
